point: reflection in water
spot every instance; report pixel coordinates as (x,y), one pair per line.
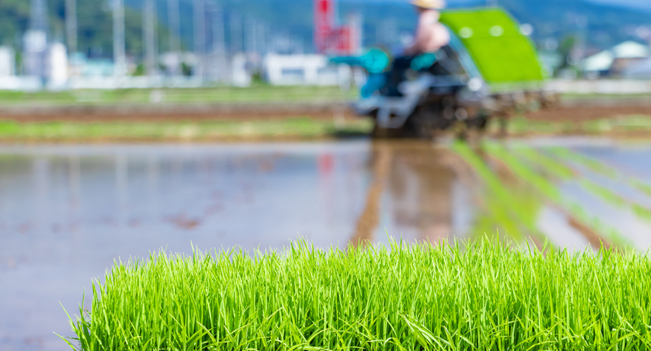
(421,188)
(67,212)
(41,170)
(558,194)
(152,185)
(121,189)
(370,217)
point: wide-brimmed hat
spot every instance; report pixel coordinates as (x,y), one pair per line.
(429,4)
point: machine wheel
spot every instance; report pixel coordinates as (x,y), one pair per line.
(425,121)
(387,133)
(480,122)
(382,133)
(418,126)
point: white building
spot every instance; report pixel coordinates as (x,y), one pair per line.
(7,62)
(615,60)
(639,70)
(218,67)
(299,70)
(241,77)
(35,53)
(57,65)
(173,61)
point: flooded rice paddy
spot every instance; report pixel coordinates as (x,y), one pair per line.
(67,212)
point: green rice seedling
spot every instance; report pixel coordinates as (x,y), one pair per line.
(513,210)
(187,131)
(616,199)
(603,169)
(254,94)
(551,192)
(526,126)
(489,223)
(597,225)
(480,296)
(522,171)
(547,164)
(605,193)
(588,162)
(562,171)
(640,185)
(622,124)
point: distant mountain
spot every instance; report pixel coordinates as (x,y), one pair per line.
(630,4)
(601,25)
(95,26)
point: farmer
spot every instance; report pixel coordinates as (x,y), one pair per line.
(430,34)
(430,37)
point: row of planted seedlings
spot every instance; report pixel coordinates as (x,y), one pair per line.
(484,295)
(543,174)
(634,125)
(506,212)
(542,170)
(586,164)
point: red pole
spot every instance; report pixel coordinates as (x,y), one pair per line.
(324,19)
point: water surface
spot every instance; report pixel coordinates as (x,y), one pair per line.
(68,212)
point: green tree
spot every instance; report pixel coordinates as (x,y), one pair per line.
(14,19)
(94,25)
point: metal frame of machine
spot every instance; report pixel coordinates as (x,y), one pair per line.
(489,69)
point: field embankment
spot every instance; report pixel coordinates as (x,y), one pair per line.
(178,115)
(265,113)
(201,131)
(257,93)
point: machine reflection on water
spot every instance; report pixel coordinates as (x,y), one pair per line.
(67,212)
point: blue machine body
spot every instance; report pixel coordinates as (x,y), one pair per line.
(376,62)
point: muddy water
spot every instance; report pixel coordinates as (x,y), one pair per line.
(67,212)
(632,160)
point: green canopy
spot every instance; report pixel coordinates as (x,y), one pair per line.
(497,46)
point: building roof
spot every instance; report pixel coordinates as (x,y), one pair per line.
(631,49)
(603,61)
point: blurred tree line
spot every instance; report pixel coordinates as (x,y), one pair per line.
(94,26)
(599,26)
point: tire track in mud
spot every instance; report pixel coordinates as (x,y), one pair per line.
(370,217)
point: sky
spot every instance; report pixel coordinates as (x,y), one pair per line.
(640,4)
